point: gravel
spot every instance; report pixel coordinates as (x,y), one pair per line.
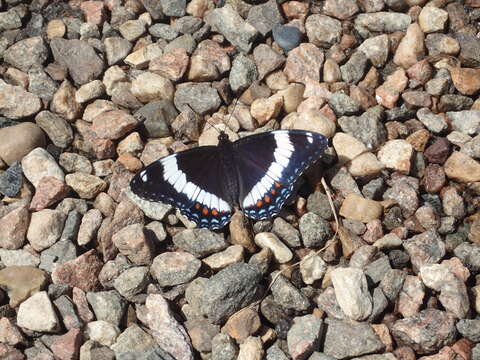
(91,92)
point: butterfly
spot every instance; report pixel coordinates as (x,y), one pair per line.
(256,173)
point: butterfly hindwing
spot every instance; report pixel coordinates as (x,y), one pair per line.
(190,180)
(270,164)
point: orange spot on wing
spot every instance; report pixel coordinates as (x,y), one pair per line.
(273,191)
(197,206)
(267,199)
(277,185)
(259,203)
(214,212)
(205,211)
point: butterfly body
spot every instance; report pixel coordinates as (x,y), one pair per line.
(256,173)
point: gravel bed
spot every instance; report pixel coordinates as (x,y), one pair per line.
(93,91)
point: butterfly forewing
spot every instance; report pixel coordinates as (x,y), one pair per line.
(270,164)
(190,180)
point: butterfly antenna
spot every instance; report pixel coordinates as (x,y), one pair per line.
(228,120)
(233,111)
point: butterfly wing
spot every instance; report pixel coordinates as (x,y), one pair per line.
(269,165)
(191,181)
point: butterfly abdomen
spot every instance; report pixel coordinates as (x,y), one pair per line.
(230,172)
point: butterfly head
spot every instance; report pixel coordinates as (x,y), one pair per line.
(223,137)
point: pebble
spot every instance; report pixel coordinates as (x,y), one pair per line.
(342,104)
(108,306)
(132,242)
(303,64)
(57,254)
(251,348)
(236,30)
(265,16)
(9,333)
(11,180)
(314,230)
(287,295)
(149,86)
(281,252)
(376,49)
(133,340)
(323,31)
(19,257)
(267,60)
(411,296)
(368,127)
(466,121)
(304,335)
(355,207)
(174,268)
(200,242)
(102,332)
(81,272)
(45,228)
(68,312)
(85,185)
(25,54)
(287,37)
(364,165)
(351,290)
(90,91)
(453,292)
(452,203)
(231,255)
(313,120)
(432,19)
(82,69)
(49,191)
(438,151)
(242,325)
(19,140)
(22,282)
(381,22)
(469,329)
(186,42)
(426,332)
(116,49)
(347,147)
(462,168)
(266,109)
(441,44)
(113,124)
(396,154)
(131,30)
(243,73)
(63,102)
(286,232)
(426,248)
(355,68)
(224,347)
(229,290)
(433,122)
(388,93)
(468,254)
(37,313)
(89,226)
(201,98)
(362,339)
(312,268)
(160,320)
(57,128)
(12,97)
(172,65)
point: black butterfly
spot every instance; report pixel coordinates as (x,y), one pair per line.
(256,173)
